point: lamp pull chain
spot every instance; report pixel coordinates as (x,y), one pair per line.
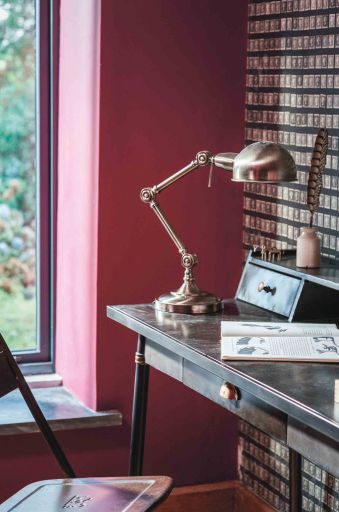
(210,175)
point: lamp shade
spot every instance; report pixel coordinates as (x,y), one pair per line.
(264,162)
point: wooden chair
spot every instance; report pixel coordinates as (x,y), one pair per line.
(135,494)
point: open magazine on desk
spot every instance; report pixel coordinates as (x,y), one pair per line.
(279,341)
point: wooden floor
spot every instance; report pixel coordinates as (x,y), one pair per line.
(219,497)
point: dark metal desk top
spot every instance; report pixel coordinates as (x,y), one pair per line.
(304,391)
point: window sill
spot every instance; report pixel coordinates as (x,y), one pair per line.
(62,410)
(46,380)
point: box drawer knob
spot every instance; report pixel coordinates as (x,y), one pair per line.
(263,287)
(229,391)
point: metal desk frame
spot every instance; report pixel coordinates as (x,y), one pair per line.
(284,400)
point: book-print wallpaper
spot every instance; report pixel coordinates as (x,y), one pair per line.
(292,90)
(264,468)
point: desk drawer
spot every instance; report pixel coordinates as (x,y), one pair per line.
(278,291)
(248,407)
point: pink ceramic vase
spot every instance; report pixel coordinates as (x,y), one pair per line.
(308,249)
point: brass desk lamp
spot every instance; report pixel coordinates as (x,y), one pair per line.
(263,162)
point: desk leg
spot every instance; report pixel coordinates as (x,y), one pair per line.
(139,410)
(295,481)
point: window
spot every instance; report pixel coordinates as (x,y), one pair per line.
(25,178)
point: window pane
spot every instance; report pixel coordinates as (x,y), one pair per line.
(18,174)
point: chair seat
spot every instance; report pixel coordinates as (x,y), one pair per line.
(135,494)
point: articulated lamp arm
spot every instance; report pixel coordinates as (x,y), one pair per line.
(149,195)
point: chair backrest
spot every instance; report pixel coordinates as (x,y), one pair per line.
(7,378)
(12,378)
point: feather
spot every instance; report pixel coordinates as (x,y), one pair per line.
(318,163)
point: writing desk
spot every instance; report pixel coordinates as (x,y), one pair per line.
(293,402)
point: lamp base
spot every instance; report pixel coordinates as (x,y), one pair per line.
(200,303)
(189,299)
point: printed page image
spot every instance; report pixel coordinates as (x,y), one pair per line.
(315,348)
(277,329)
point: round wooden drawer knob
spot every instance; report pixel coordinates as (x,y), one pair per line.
(229,391)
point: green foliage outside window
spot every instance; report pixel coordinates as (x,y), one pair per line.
(17,173)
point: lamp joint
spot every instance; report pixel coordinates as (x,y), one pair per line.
(147,195)
(188,260)
(203,157)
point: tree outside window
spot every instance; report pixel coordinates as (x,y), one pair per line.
(18,176)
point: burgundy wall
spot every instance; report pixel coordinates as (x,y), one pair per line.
(92,452)
(171,83)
